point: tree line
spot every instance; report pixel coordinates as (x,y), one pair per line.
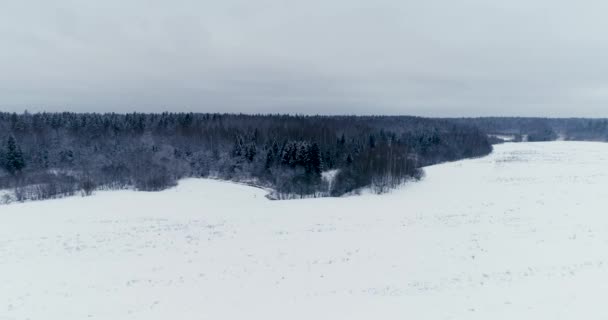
(542,129)
(46,155)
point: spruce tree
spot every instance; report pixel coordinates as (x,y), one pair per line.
(237,149)
(314,158)
(251,151)
(269,160)
(349,159)
(342,140)
(13,158)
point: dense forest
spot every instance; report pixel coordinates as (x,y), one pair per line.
(47,155)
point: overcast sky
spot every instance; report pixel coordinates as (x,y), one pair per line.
(425,57)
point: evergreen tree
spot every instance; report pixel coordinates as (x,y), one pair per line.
(349,159)
(314,160)
(342,140)
(251,152)
(269,160)
(237,149)
(328,160)
(13,158)
(301,154)
(275,148)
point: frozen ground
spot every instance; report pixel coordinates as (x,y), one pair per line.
(521,234)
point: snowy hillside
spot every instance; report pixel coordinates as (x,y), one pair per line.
(520,234)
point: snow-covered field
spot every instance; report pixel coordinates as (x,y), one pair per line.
(520,234)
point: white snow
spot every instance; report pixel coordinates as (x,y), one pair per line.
(503,137)
(330,176)
(520,234)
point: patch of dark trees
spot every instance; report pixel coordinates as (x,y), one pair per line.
(47,155)
(542,129)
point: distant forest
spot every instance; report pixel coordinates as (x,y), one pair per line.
(542,129)
(49,155)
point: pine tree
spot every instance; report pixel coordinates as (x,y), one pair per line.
(275,148)
(269,160)
(251,152)
(13,158)
(314,160)
(349,159)
(328,160)
(342,140)
(237,149)
(301,154)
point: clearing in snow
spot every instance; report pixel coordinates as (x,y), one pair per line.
(520,234)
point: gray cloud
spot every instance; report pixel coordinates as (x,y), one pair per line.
(432,57)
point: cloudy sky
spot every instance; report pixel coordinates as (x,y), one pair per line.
(424,57)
